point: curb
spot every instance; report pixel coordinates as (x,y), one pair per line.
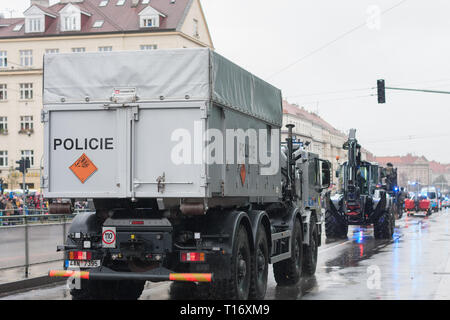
(10,287)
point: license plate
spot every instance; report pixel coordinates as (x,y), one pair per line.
(82,264)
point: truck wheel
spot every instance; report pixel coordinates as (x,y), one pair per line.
(334,229)
(288,272)
(310,259)
(383,228)
(238,286)
(260,270)
(108,290)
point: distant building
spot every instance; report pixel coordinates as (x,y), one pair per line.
(71,27)
(416,169)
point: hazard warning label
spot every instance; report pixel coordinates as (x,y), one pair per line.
(83,168)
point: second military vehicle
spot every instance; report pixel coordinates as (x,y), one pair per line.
(358,201)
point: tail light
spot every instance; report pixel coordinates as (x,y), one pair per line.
(192,257)
(80,255)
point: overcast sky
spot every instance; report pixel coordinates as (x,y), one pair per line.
(408,46)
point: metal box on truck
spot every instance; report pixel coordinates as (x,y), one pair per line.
(140,125)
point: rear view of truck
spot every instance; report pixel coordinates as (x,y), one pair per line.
(180,152)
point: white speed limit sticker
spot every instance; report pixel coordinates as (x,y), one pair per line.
(109,237)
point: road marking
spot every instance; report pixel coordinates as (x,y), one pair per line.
(443,291)
(338,245)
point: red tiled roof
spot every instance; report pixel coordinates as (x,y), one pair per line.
(405,160)
(436,167)
(116,18)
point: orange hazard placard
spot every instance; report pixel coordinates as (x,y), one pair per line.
(83,168)
(243,174)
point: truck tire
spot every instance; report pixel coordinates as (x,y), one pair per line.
(108,290)
(238,286)
(311,250)
(383,229)
(334,229)
(260,270)
(288,272)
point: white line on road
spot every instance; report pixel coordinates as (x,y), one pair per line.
(443,291)
(338,245)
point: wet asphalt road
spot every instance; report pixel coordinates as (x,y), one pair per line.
(415,264)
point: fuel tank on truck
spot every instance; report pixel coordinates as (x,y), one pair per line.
(158,124)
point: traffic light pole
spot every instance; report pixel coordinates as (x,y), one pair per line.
(418,90)
(382,91)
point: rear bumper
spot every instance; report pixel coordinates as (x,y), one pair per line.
(157,275)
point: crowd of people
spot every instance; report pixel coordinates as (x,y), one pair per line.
(13,205)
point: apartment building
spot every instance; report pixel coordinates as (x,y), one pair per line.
(72,27)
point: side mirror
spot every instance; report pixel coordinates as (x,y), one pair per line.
(326,174)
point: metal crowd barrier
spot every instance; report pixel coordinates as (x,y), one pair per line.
(39,225)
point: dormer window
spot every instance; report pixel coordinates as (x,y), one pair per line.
(71,17)
(70,23)
(35,24)
(149,22)
(150,18)
(36,18)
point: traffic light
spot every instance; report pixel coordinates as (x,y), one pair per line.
(381,91)
(21,167)
(24,164)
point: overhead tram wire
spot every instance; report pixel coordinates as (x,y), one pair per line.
(410,138)
(324,93)
(332,42)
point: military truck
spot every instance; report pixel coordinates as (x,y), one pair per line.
(180,151)
(359,201)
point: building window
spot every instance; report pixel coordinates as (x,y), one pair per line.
(26,58)
(35,25)
(78,50)
(3,125)
(3,92)
(104,3)
(105,49)
(98,24)
(51,50)
(28,154)
(149,47)
(149,22)
(145,1)
(26,123)
(26,91)
(70,23)
(196,34)
(3,158)
(3,59)
(120,2)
